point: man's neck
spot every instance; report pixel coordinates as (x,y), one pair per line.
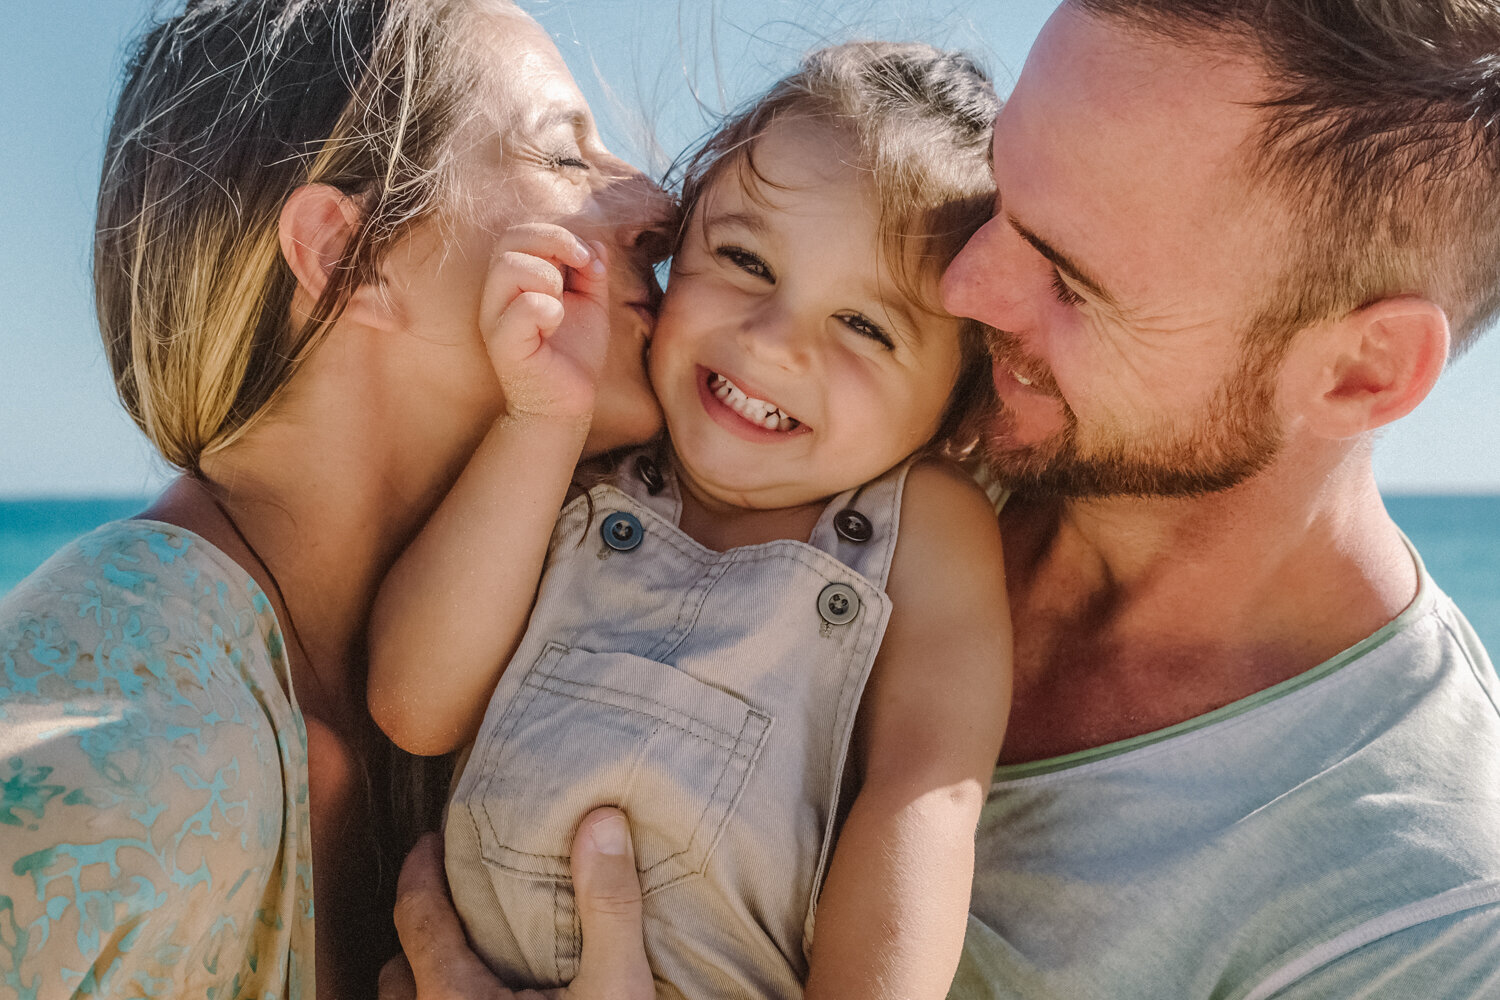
(1132,615)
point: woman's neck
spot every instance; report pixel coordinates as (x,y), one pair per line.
(326,490)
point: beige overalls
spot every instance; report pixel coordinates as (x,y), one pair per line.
(711,695)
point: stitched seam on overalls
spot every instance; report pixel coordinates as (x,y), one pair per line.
(728,808)
(689,609)
(735,752)
(730,747)
(854,686)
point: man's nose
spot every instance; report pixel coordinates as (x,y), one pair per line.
(970,283)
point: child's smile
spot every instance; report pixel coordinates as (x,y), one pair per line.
(748,415)
(789,362)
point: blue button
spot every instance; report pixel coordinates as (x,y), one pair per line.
(622,532)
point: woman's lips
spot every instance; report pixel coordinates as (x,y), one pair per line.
(646,311)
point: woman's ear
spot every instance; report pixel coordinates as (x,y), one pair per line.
(1372,366)
(317,223)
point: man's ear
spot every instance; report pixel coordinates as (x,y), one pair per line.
(1372,366)
(317,223)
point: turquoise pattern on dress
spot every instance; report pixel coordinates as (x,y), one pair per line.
(154,836)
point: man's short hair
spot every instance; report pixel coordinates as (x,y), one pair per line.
(1382,129)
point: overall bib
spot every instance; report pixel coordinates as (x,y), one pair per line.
(711,696)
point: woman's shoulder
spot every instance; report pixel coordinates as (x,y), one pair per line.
(153,789)
(145,585)
(144,558)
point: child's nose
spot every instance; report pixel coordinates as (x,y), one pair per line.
(779,337)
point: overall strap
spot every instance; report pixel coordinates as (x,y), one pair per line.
(859,526)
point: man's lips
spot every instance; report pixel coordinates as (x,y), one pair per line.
(1036,412)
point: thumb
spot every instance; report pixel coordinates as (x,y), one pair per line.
(608,895)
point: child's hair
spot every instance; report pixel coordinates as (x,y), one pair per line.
(919,121)
(226,109)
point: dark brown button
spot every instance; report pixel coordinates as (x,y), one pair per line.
(650,474)
(853,526)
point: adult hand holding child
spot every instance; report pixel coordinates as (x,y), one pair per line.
(438,964)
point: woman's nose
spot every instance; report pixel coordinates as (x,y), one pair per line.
(641,213)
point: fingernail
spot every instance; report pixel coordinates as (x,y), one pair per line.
(611,835)
(597,264)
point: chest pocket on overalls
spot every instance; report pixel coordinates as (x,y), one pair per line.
(589,729)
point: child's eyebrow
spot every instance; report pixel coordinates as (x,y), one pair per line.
(749,221)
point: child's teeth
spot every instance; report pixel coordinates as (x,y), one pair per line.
(757,411)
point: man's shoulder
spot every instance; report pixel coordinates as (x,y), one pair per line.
(1357,802)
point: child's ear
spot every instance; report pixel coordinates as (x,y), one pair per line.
(1369,368)
(317,223)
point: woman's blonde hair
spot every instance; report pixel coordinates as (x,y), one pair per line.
(226,109)
(920,120)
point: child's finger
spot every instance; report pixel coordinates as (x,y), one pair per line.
(545,240)
(591,280)
(526,272)
(521,327)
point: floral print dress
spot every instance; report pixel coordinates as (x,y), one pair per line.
(154,833)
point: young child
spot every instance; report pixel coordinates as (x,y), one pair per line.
(729,642)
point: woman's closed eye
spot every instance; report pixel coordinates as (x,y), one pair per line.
(746,260)
(868,328)
(571,161)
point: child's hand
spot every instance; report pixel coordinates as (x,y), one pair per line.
(544,314)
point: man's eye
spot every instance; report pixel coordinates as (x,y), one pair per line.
(865,328)
(1064,291)
(746,261)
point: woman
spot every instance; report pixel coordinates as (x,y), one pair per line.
(299,206)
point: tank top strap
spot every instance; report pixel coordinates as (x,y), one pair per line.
(859,526)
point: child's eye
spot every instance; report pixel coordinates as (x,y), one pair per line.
(865,328)
(1064,292)
(746,261)
(564,160)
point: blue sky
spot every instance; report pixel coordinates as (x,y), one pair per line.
(649,67)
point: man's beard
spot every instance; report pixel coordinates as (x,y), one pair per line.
(1234,436)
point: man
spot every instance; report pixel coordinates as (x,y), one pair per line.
(1254,751)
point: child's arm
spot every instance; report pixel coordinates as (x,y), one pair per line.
(891,919)
(455,604)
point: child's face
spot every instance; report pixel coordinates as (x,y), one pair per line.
(788,362)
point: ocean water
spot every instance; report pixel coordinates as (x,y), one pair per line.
(1458,536)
